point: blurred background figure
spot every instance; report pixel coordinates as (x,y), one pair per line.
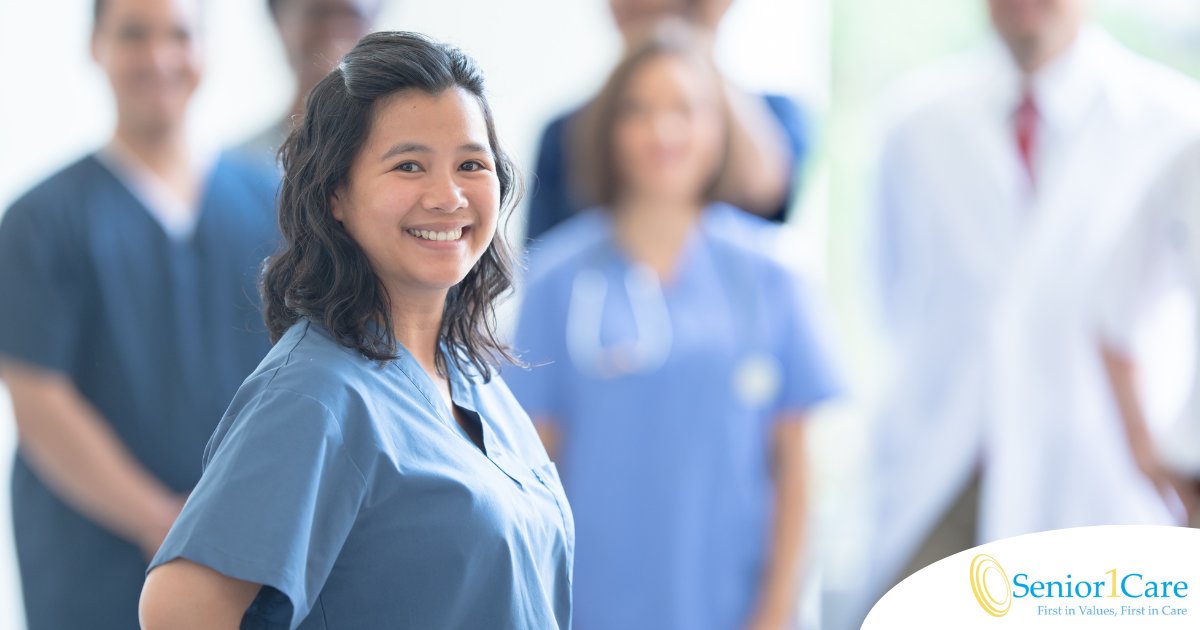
(768,137)
(130,318)
(674,362)
(316,34)
(1002,184)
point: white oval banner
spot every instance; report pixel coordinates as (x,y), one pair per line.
(1119,577)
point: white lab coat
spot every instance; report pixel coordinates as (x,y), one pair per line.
(988,288)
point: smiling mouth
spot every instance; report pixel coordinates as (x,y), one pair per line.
(430,235)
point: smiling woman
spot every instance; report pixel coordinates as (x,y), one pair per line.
(431,162)
(372,472)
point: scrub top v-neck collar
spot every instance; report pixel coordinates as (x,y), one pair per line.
(462,395)
(178,219)
(693,244)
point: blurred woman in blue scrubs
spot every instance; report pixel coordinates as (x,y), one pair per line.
(374,472)
(674,364)
(129,317)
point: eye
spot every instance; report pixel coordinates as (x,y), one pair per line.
(473,165)
(133,33)
(630,110)
(408,167)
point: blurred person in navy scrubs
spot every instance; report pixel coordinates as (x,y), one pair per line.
(315,35)
(129,320)
(676,362)
(768,135)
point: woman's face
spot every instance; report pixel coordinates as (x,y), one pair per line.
(423,196)
(149,51)
(669,131)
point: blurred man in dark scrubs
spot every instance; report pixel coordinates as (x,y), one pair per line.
(130,317)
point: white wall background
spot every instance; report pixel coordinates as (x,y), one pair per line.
(540,56)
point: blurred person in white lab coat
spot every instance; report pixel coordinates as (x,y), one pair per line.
(315,34)
(1005,179)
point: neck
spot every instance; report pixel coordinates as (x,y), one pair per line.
(417,323)
(654,232)
(1033,55)
(163,150)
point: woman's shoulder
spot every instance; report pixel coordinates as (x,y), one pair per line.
(309,361)
(754,245)
(308,384)
(745,235)
(61,191)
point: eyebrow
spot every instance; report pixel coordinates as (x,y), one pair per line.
(413,147)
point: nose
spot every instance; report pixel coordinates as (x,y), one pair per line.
(444,194)
(669,128)
(165,55)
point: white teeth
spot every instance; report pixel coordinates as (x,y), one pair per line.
(429,235)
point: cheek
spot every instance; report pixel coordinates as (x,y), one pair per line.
(488,203)
(629,139)
(708,142)
(125,66)
(193,67)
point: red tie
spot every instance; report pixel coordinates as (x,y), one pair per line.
(1026,122)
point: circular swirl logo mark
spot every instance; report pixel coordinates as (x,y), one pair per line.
(982,566)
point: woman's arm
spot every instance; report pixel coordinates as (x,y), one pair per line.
(781,580)
(759,172)
(181,595)
(77,454)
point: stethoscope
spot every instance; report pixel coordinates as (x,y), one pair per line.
(757,376)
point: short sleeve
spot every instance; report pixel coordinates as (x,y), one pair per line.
(540,341)
(277,500)
(40,283)
(809,373)
(1126,289)
(798,136)
(795,125)
(550,200)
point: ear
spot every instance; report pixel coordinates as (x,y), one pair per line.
(336,206)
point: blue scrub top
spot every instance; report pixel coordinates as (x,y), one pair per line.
(346,487)
(552,200)
(667,469)
(156,333)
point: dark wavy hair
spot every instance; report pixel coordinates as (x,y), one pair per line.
(320,273)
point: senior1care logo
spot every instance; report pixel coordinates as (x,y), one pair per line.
(1119,577)
(1070,596)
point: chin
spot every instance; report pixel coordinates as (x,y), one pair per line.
(443,283)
